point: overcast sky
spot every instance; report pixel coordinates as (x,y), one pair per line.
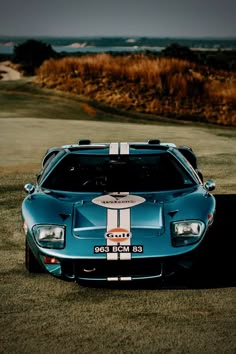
(160,18)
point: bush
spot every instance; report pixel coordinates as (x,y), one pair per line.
(164,86)
(31,54)
(179,52)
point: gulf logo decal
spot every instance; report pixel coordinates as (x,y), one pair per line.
(118,235)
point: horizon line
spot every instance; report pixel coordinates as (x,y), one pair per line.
(118,36)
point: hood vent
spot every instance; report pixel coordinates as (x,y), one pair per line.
(64,216)
(172,213)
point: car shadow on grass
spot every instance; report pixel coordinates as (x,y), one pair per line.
(216,264)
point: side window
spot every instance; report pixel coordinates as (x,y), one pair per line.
(47,164)
(189,155)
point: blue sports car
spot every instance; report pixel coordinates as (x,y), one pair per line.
(116,211)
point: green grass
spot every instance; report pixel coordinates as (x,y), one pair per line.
(39,313)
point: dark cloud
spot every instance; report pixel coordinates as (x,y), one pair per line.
(123,17)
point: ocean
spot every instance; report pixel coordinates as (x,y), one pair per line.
(118,44)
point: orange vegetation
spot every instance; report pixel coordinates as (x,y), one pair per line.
(159,86)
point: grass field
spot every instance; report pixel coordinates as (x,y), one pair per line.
(41,314)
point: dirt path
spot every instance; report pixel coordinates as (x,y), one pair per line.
(7,73)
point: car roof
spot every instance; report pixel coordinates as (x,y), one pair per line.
(85,146)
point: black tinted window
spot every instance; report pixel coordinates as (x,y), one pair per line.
(95,173)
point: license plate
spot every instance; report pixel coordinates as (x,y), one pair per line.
(118,249)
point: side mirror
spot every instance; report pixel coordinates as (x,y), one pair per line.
(29,188)
(210,185)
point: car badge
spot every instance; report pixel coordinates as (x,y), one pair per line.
(116,201)
(118,235)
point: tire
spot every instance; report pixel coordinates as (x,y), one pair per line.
(31,263)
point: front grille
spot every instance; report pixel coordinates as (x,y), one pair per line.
(93,269)
(135,268)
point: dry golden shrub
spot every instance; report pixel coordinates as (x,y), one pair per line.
(225,90)
(153,85)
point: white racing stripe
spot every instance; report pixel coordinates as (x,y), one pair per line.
(112,214)
(112,222)
(114,149)
(125,278)
(119,278)
(125,213)
(113,278)
(119,218)
(125,223)
(124,148)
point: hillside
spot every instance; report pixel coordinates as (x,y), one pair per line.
(140,83)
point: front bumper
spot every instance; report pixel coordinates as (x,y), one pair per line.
(121,270)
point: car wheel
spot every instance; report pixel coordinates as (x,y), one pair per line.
(31,263)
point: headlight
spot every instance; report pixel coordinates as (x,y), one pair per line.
(187,232)
(50,236)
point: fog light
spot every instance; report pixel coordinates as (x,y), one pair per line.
(50,260)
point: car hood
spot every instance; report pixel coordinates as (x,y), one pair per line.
(112,211)
(88,212)
(96,219)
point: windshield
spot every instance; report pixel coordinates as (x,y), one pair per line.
(107,173)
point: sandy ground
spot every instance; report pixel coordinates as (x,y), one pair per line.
(26,139)
(7,73)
